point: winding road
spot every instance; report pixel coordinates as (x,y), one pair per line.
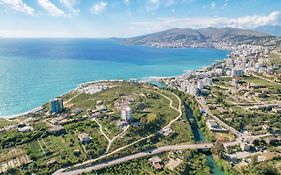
(171,105)
(80,167)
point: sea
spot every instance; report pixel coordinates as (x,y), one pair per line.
(33,71)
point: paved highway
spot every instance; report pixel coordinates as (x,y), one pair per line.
(133,156)
(78,166)
(82,168)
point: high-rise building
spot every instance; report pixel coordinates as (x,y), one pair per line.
(57,105)
(237,72)
(126,114)
(200,84)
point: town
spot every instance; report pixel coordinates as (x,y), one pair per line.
(240,95)
(105,126)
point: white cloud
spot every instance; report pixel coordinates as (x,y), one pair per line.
(199,22)
(18,5)
(69,4)
(98,8)
(51,8)
(169,2)
(126,2)
(213,5)
(152,5)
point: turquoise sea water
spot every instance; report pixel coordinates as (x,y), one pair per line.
(32,71)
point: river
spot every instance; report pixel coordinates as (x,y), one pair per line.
(199,137)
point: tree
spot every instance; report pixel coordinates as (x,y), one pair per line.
(219,99)
(266,169)
(218,149)
(254,160)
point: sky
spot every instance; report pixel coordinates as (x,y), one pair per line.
(126,18)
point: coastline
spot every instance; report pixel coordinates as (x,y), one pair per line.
(34,110)
(13,117)
(143,79)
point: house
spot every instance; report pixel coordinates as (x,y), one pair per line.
(247,147)
(156,163)
(122,124)
(51,162)
(221,110)
(136,124)
(84,138)
(77,111)
(77,152)
(167,131)
(277,110)
(54,121)
(99,102)
(24,129)
(255,86)
(101,108)
(262,95)
(57,129)
(214,126)
(96,114)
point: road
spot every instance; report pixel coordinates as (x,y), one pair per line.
(83,168)
(202,103)
(73,98)
(107,138)
(78,166)
(264,105)
(171,105)
(260,77)
(135,156)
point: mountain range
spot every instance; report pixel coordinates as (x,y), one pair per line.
(204,37)
(271,29)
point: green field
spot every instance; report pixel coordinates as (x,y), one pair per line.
(150,108)
(4,122)
(275,58)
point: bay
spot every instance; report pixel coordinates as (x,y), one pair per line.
(32,71)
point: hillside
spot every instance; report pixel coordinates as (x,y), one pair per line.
(205,37)
(271,29)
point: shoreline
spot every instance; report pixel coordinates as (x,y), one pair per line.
(36,109)
(143,79)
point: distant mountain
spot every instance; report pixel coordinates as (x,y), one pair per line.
(271,29)
(205,37)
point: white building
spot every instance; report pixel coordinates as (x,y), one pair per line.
(261,70)
(200,85)
(207,81)
(84,138)
(237,72)
(219,72)
(126,114)
(214,126)
(173,83)
(191,89)
(24,129)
